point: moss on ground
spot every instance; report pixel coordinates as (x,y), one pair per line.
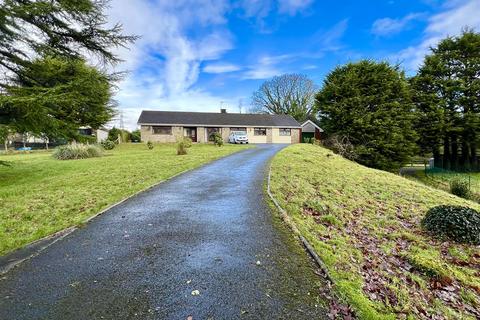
(365,225)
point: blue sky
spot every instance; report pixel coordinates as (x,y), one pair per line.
(199,55)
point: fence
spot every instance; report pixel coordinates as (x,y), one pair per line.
(442,178)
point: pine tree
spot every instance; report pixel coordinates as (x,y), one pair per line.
(369,103)
(447,96)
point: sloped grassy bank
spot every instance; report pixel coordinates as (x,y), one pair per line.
(365,225)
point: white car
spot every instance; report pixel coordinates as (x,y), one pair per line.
(238,137)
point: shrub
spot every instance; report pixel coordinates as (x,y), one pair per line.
(149,145)
(182,145)
(460,188)
(77,151)
(217,139)
(341,145)
(461,224)
(107,144)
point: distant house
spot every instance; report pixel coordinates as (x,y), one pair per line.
(310,130)
(101,133)
(167,126)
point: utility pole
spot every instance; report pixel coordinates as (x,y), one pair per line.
(240,105)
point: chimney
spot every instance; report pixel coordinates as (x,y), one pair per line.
(223,110)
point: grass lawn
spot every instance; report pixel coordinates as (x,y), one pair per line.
(441,180)
(40,195)
(365,225)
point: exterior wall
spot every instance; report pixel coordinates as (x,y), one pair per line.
(273,135)
(277,138)
(101,135)
(225,133)
(252,138)
(270,135)
(201,135)
(296,134)
(147,135)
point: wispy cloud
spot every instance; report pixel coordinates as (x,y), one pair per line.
(165,62)
(221,68)
(267,66)
(389,26)
(292,7)
(450,22)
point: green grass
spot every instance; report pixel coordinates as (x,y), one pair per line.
(40,195)
(441,180)
(365,225)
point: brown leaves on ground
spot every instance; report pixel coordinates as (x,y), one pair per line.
(386,274)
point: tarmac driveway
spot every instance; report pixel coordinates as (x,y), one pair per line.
(208,230)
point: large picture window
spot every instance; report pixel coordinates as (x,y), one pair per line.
(285,132)
(260,131)
(162,130)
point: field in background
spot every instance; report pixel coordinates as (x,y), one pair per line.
(365,226)
(40,195)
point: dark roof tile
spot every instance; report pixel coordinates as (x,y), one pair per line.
(217,119)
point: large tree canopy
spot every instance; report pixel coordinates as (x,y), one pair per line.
(291,94)
(369,103)
(447,96)
(51,95)
(29,28)
(66,94)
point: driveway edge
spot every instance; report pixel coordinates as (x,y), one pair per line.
(293,227)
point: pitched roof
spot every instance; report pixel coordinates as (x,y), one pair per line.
(216,119)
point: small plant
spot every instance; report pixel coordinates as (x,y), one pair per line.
(77,151)
(107,144)
(182,145)
(149,145)
(460,188)
(461,224)
(217,139)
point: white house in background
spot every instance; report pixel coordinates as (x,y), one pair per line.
(101,133)
(311,130)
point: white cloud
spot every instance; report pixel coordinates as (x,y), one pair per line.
(292,7)
(450,22)
(221,68)
(165,61)
(389,26)
(267,67)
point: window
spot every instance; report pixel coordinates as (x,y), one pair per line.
(238,129)
(285,132)
(260,131)
(162,130)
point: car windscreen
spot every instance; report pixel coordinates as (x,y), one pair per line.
(240,133)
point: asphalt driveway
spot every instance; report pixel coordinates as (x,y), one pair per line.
(208,230)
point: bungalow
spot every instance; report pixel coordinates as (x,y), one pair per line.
(167,126)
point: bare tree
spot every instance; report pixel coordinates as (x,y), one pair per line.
(291,94)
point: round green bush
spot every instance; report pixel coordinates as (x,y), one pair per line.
(460,188)
(461,224)
(150,145)
(77,151)
(107,144)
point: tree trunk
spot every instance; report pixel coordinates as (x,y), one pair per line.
(446,153)
(465,159)
(6,145)
(454,153)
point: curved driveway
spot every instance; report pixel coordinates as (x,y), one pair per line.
(208,230)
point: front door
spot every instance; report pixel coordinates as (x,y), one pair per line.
(190,132)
